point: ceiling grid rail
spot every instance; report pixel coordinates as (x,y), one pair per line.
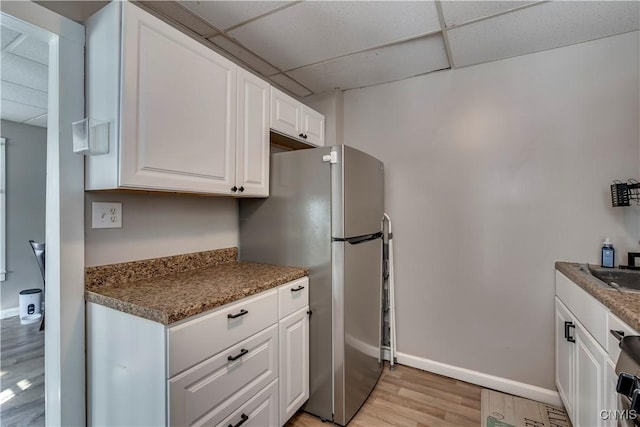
(206,39)
(445,35)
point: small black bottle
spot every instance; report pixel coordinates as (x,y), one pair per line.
(608,254)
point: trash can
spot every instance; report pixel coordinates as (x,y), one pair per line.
(30,301)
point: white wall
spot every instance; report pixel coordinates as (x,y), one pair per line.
(494,172)
(26,164)
(157,225)
(329,103)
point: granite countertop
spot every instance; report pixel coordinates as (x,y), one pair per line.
(625,305)
(167,290)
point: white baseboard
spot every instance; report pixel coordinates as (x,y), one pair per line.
(14,311)
(9,312)
(504,385)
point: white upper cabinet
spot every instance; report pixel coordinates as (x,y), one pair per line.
(312,126)
(294,119)
(286,114)
(177,114)
(252,151)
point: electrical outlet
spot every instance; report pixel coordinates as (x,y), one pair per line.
(106,215)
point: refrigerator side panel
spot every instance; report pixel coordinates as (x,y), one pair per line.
(363,193)
(293,227)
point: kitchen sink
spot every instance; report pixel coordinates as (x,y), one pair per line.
(625,280)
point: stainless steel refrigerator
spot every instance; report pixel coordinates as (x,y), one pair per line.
(325,212)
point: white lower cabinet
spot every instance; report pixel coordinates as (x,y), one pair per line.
(294,364)
(565,360)
(242,364)
(206,393)
(581,372)
(260,411)
(590,369)
(611,395)
(586,355)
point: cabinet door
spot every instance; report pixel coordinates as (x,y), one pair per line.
(565,358)
(294,363)
(590,369)
(286,114)
(313,126)
(611,395)
(178,110)
(252,150)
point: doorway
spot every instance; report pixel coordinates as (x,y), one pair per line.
(64,383)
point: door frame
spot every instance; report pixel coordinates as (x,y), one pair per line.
(65,313)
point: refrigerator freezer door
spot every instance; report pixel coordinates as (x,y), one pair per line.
(293,227)
(357,324)
(358,198)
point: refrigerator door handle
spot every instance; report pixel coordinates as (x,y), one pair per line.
(359,239)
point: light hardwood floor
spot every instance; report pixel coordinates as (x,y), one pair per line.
(410,397)
(21,374)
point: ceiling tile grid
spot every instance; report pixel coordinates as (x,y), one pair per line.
(23,94)
(541,27)
(238,51)
(311,46)
(17,112)
(24,72)
(24,78)
(459,12)
(227,14)
(290,84)
(314,31)
(32,49)
(7,36)
(184,17)
(40,121)
(376,66)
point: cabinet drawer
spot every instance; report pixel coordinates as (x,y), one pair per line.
(211,391)
(591,313)
(614,323)
(293,296)
(259,411)
(192,342)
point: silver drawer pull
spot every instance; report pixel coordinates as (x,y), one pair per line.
(299,288)
(234,316)
(238,356)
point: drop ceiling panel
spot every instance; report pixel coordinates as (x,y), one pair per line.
(7,35)
(244,55)
(33,49)
(541,27)
(40,121)
(24,72)
(78,10)
(376,66)
(23,95)
(290,84)
(226,14)
(457,12)
(181,15)
(314,31)
(17,112)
